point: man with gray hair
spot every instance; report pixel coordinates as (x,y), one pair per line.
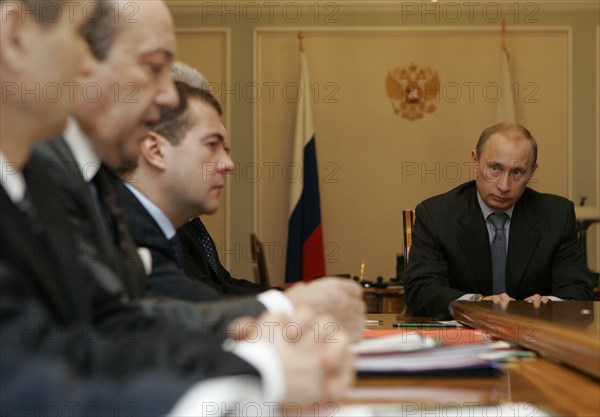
(104,135)
(180,174)
(42,44)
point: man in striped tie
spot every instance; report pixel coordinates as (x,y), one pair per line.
(179,175)
(495,238)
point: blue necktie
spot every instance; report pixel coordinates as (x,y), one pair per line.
(207,244)
(498,252)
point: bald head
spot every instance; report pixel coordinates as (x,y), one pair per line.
(512,131)
(133,78)
(113,16)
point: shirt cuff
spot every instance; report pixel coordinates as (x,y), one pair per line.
(264,358)
(464,297)
(276,302)
(553,298)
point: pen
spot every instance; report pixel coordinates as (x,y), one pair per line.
(373,321)
(422,325)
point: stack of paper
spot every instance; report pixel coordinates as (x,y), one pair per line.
(417,354)
(385,410)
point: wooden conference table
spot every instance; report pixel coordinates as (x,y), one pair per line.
(563,380)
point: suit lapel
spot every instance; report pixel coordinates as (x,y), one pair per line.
(522,241)
(474,242)
(144,229)
(128,267)
(80,193)
(32,249)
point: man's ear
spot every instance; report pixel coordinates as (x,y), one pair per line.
(152,150)
(13,37)
(533,170)
(474,159)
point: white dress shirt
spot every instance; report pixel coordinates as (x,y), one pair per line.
(260,355)
(12,180)
(486,211)
(274,301)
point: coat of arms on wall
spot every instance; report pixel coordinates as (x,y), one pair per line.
(413,91)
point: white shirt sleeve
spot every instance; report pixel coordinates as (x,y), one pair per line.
(234,395)
(238,395)
(264,358)
(465,297)
(276,302)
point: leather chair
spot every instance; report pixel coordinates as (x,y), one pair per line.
(261,274)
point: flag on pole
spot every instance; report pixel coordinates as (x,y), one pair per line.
(505,110)
(305,260)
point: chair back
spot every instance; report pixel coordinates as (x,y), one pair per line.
(408,220)
(261,274)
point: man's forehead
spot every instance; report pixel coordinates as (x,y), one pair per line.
(506,146)
(202,113)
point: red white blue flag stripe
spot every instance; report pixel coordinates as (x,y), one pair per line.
(305,260)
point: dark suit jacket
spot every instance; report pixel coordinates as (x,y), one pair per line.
(83,215)
(168,278)
(197,266)
(118,290)
(450,255)
(48,336)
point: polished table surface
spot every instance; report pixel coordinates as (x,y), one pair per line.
(544,382)
(567,332)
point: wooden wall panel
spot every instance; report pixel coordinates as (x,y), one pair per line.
(208,51)
(373,163)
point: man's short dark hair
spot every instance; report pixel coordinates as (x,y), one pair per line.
(102,28)
(175,122)
(512,130)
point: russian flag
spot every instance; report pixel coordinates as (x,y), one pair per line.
(305,260)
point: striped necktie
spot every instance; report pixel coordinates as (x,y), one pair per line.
(498,252)
(207,244)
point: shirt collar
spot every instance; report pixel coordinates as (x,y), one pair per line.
(12,180)
(159,217)
(81,147)
(487,211)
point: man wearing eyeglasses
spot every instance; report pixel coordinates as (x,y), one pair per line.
(494,238)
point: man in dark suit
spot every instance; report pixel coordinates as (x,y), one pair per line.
(494,238)
(201,261)
(180,174)
(101,137)
(41,365)
(47,316)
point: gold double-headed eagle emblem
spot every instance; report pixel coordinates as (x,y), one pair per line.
(413,91)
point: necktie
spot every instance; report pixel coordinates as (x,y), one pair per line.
(207,244)
(105,192)
(27,207)
(112,213)
(498,252)
(177,251)
(98,206)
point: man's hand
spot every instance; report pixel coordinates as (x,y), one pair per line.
(340,298)
(501,299)
(313,352)
(537,300)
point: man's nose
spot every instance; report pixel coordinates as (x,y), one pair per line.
(167,94)
(225,165)
(503,183)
